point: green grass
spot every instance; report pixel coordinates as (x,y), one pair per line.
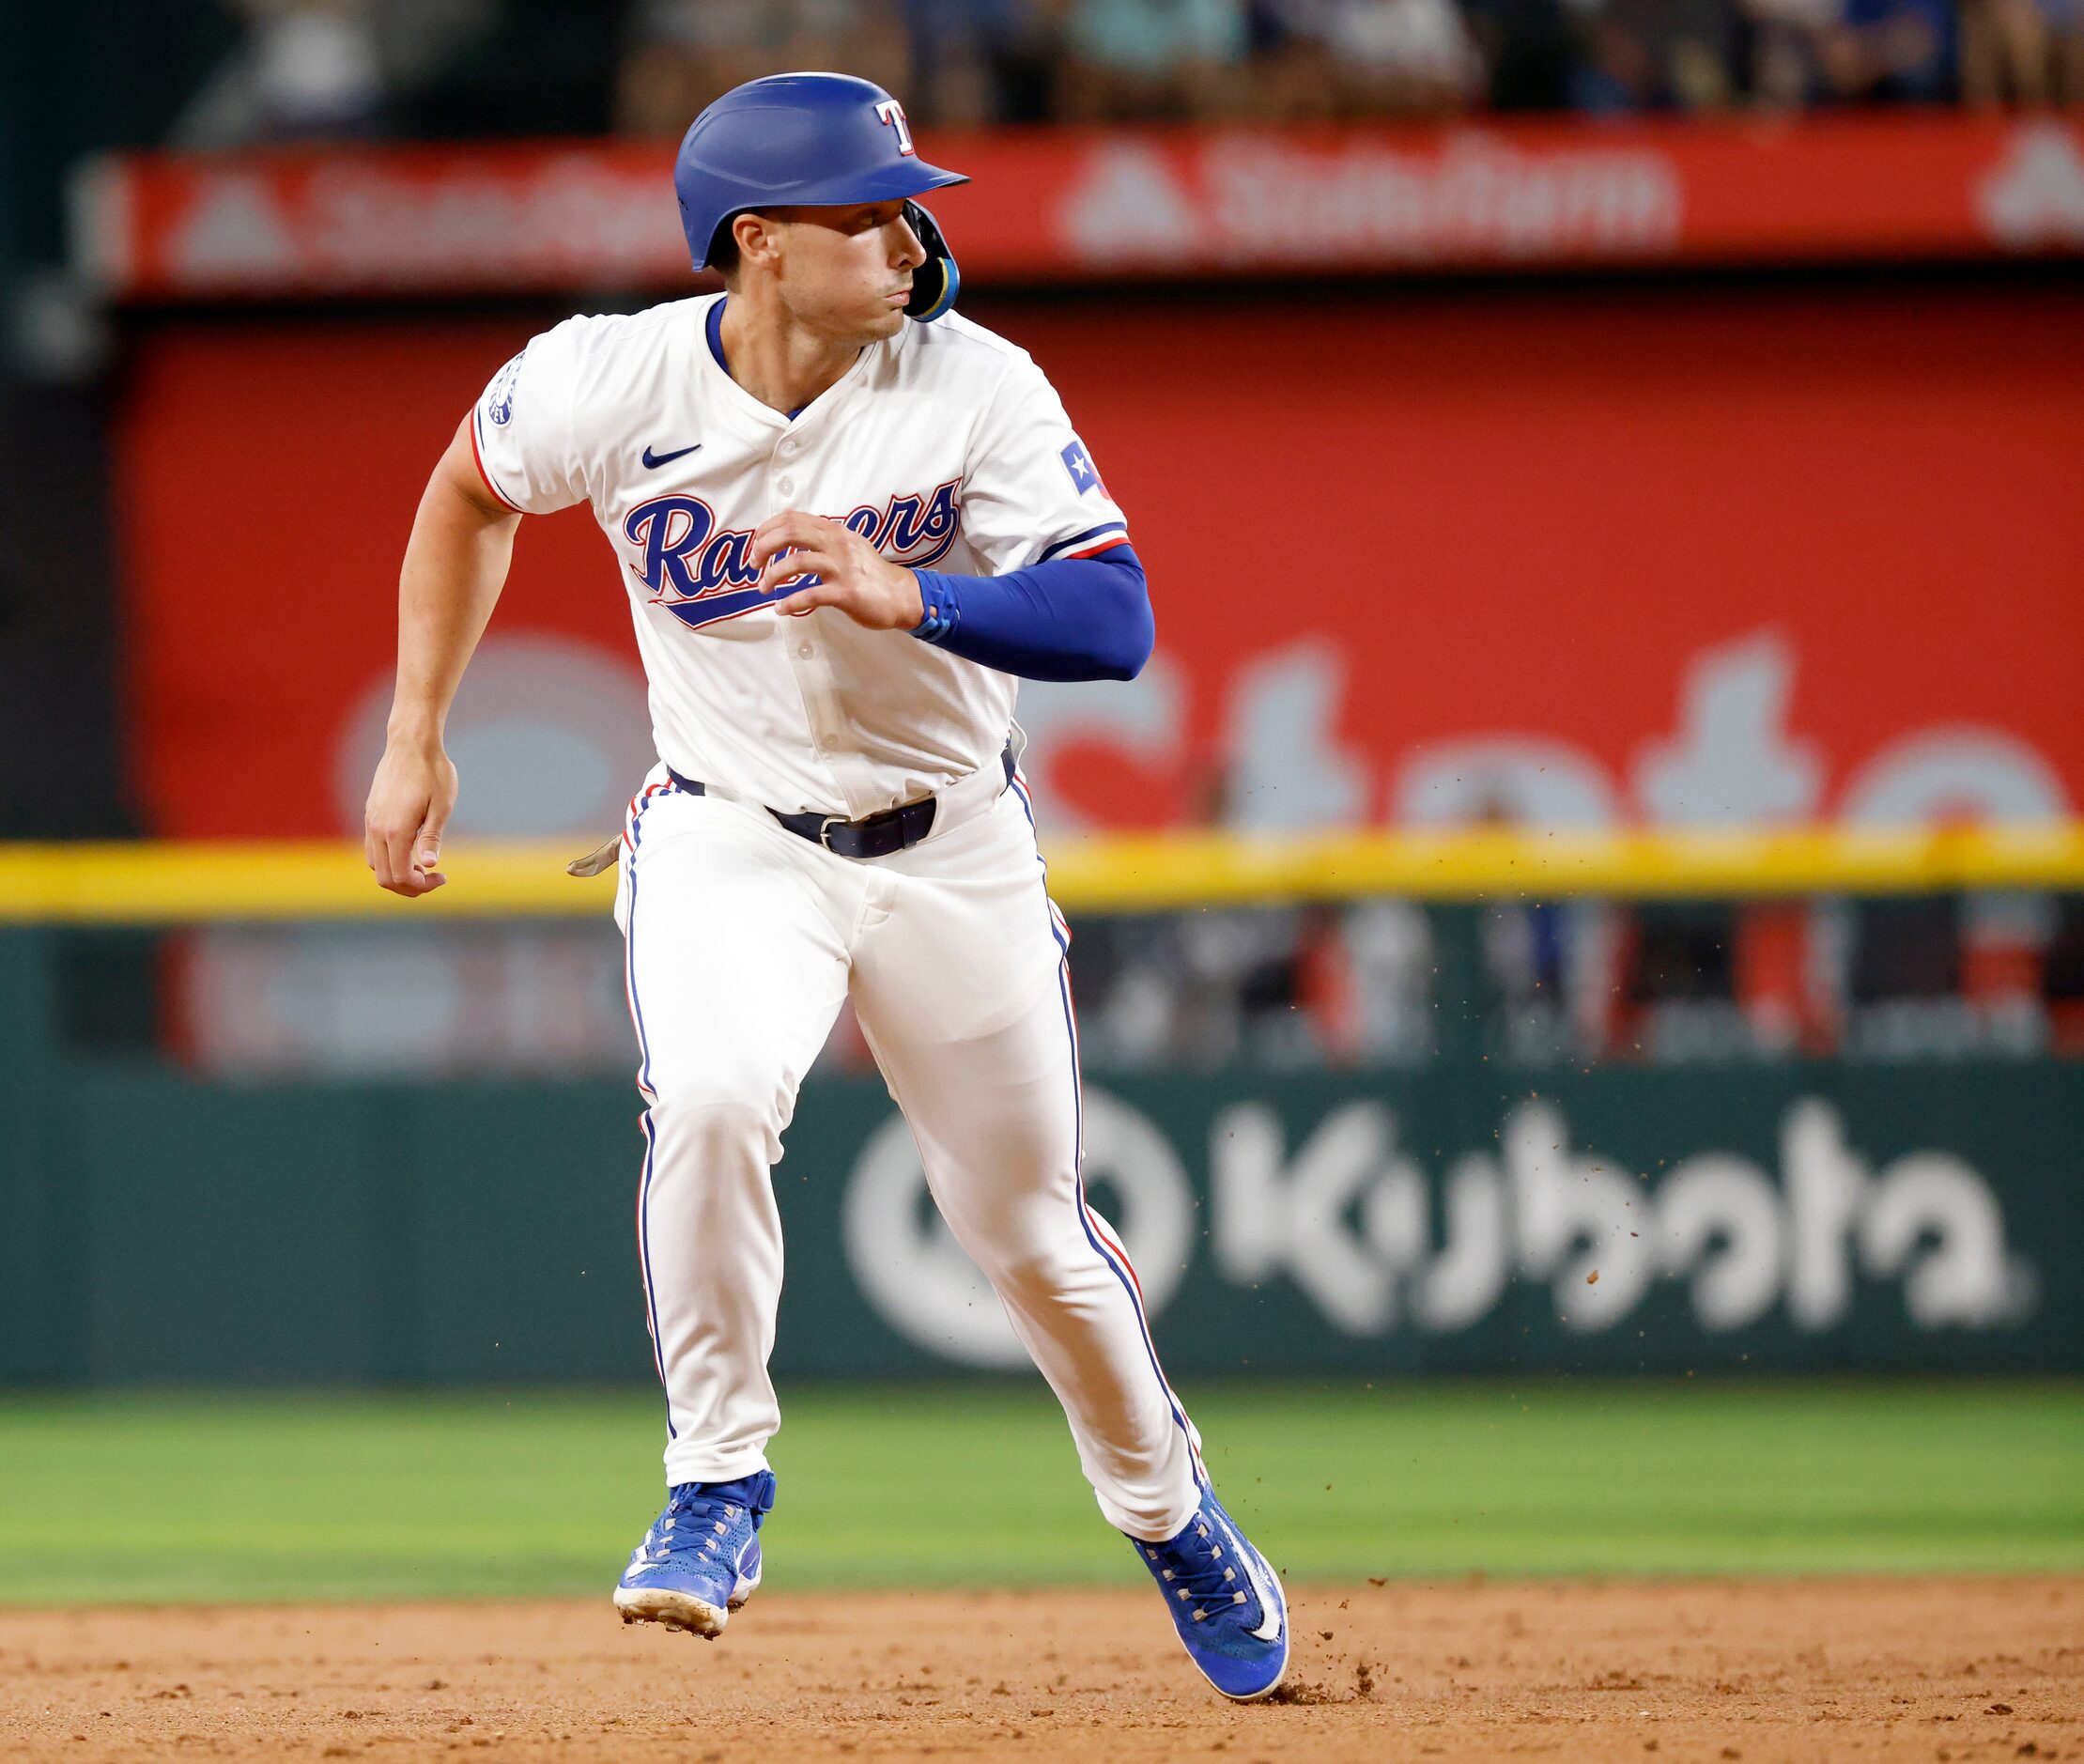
(201,1496)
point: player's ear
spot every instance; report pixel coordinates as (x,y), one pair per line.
(758,237)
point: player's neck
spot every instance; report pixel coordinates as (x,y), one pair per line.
(777,360)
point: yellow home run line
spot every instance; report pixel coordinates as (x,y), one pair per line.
(171,882)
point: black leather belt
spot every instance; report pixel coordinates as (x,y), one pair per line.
(872,836)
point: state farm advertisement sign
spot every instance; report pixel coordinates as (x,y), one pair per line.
(1654,556)
(1050,206)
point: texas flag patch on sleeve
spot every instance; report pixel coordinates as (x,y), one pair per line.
(1078,462)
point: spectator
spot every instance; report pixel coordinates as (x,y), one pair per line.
(1171,59)
(521,66)
(320,70)
(1389,945)
(865,37)
(1234,980)
(1410,57)
(1677,976)
(1292,75)
(2025,51)
(1526,962)
(685,52)
(1891,51)
(1787,38)
(306,70)
(1617,71)
(1775,977)
(1126,975)
(983,61)
(681,53)
(2063,976)
(1653,54)
(1530,47)
(1698,49)
(340,70)
(2065,23)
(1908,949)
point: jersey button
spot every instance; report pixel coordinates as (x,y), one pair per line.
(785,485)
(804,650)
(787,448)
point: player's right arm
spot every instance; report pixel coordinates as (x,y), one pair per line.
(456,564)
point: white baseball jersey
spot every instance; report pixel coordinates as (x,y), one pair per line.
(944,443)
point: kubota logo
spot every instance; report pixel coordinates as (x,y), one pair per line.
(1378,1243)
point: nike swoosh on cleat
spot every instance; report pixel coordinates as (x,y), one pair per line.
(1270,1605)
(653,461)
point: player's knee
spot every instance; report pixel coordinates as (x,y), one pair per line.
(1040,1272)
(716,1121)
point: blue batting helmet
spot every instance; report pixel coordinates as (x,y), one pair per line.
(810,138)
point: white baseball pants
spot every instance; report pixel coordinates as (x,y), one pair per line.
(742,939)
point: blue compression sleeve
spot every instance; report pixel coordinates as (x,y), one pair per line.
(1074,618)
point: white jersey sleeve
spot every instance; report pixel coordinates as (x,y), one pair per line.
(522,428)
(1031,492)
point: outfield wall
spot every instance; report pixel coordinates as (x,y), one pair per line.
(1808,1216)
(1649,556)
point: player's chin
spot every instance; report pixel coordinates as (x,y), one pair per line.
(888,317)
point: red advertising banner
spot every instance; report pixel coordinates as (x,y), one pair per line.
(1654,556)
(1080,205)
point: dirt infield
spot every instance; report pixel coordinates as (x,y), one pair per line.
(1756,1670)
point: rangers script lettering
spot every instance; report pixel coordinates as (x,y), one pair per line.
(691,568)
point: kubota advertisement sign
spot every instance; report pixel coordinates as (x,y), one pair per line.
(1800,1217)
(1372,1242)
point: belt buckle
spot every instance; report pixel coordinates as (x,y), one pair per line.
(825,832)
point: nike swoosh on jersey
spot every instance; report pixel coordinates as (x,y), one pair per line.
(653,461)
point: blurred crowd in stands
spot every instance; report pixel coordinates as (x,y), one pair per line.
(1388,982)
(1368,985)
(301,70)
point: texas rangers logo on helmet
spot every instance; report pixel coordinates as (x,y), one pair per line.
(892,112)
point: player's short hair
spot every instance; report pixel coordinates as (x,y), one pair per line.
(723,256)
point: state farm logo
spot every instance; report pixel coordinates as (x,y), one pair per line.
(1475,197)
(1130,208)
(2035,194)
(236,233)
(365,221)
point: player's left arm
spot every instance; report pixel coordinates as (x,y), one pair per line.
(1068,600)
(1071,618)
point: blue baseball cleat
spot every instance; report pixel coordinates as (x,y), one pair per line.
(1225,1601)
(700,1561)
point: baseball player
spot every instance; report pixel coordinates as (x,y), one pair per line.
(848,522)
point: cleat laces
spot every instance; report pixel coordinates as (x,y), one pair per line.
(1197,1571)
(692,1509)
